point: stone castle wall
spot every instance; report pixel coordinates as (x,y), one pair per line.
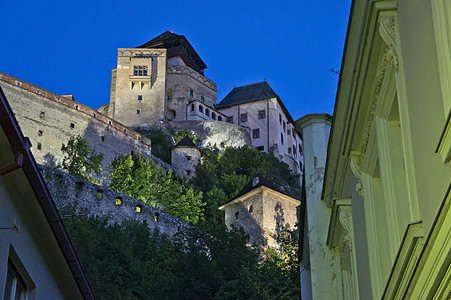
(221,134)
(50,120)
(98,201)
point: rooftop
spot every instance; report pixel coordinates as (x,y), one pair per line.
(177,45)
(251,93)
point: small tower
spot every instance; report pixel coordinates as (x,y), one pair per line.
(262,210)
(185,156)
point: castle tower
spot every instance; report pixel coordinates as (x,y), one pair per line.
(157,81)
(185,156)
(263,211)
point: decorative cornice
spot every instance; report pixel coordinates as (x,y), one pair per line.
(387,30)
(345,217)
(356,167)
(183,70)
(140,52)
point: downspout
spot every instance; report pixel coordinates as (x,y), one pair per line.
(267,125)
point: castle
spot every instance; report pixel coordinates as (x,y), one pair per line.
(161,84)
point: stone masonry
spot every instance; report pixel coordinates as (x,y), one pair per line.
(99,201)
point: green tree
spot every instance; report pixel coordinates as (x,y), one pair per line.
(140,178)
(81,160)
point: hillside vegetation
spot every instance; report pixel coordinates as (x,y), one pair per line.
(128,261)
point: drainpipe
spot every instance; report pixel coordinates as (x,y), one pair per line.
(267,125)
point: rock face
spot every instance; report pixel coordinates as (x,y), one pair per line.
(98,201)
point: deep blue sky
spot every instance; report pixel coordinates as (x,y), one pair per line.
(70,47)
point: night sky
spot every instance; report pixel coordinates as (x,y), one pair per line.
(70,47)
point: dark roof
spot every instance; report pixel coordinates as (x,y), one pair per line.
(248,93)
(25,160)
(177,45)
(251,93)
(261,182)
(186,142)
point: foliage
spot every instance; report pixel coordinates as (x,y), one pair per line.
(179,135)
(81,160)
(129,261)
(161,143)
(223,175)
(138,177)
(163,140)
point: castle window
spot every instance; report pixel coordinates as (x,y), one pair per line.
(37,91)
(140,70)
(283,125)
(207,112)
(289,131)
(213,116)
(18,84)
(202,99)
(42,114)
(138,112)
(188,157)
(118,201)
(237,215)
(260,148)
(256,133)
(138,208)
(188,172)
(192,107)
(39,146)
(289,150)
(156,216)
(219,118)
(280,119)
(261,114)
(294,151)
(201,109)
(281,138)
(191,93)
(99,194)
(72,125)
(109,122)
(230,119)
(132,153)
(243,118)
(251,208)
(79,186)
(76,107)
(40,133)
(102,138)
(140,97)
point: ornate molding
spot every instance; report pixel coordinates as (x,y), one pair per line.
(387,30)
(345,217)
(144,53)
(356,167)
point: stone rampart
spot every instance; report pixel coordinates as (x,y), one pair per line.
(50,120)
(221,134)
(99,201)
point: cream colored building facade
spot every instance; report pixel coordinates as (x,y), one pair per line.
(388,172)
(258,107)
